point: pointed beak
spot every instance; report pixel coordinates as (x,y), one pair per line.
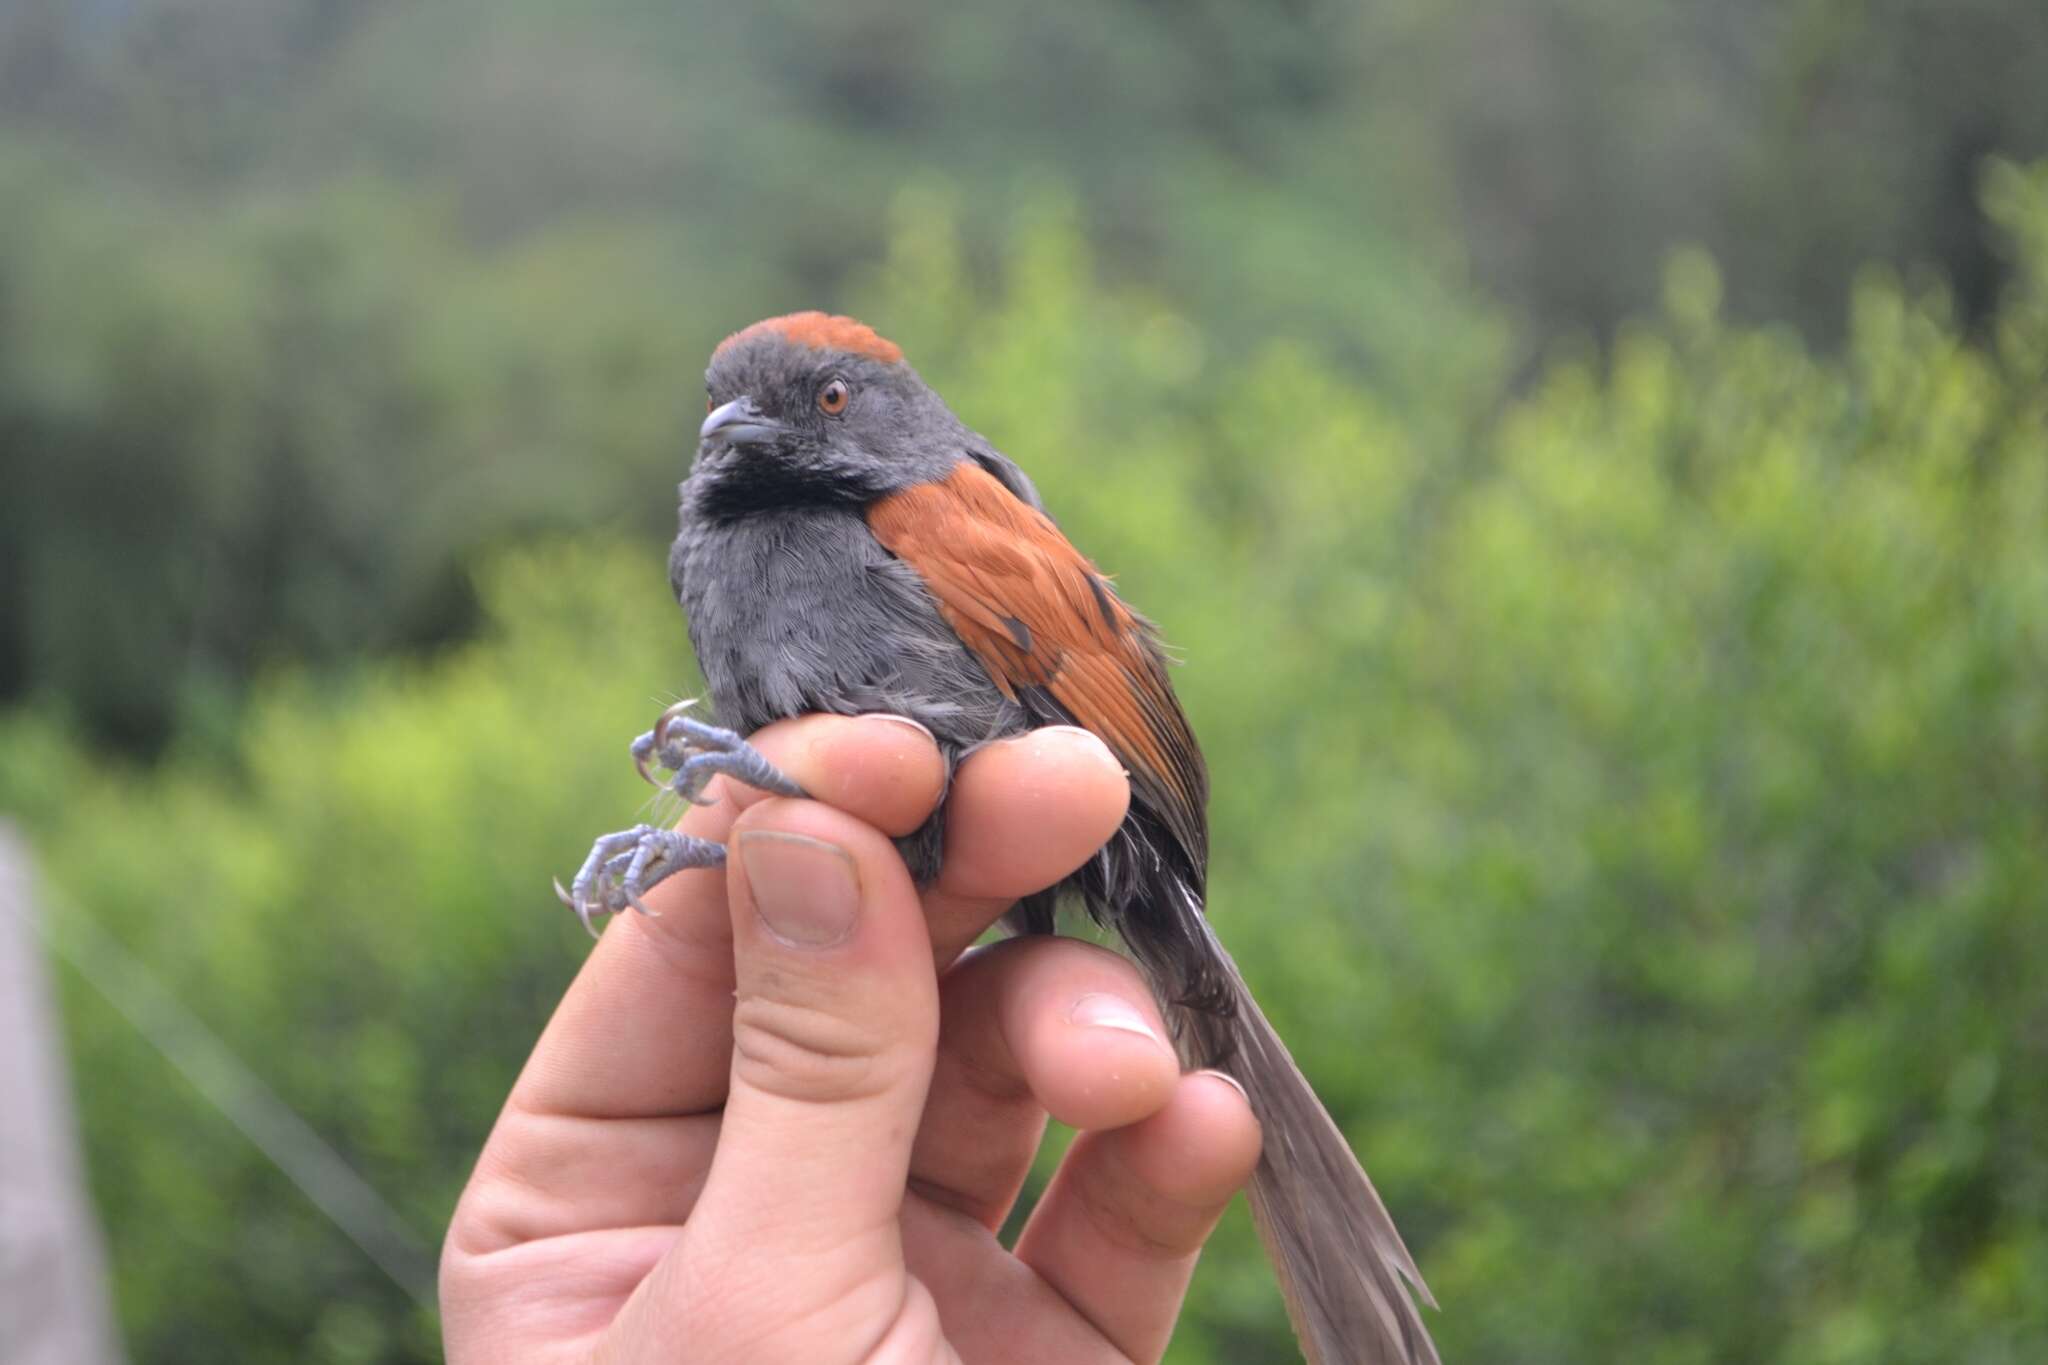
(739,423)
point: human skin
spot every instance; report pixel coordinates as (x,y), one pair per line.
(762,1127)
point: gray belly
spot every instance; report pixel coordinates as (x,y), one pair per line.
(802,611)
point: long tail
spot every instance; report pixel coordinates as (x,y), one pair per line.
(1340,1261)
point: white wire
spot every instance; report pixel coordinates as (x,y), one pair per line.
(202,1057)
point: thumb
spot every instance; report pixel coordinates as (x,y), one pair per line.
(835,1027)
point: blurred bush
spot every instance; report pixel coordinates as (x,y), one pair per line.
(1629,803)
(235,440)
(305,303)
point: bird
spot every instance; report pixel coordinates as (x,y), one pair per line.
(846,544)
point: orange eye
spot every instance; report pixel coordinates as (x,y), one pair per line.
(833,398)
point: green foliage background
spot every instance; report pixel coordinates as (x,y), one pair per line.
(1622,664)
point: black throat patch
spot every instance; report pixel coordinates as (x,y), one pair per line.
(769,483)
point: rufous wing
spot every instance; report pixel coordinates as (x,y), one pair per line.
(1041,618)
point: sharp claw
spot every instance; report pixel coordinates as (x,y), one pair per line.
(673,713)
(582,908)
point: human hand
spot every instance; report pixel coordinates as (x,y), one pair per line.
(738,1144)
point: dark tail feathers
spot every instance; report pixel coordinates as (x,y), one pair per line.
(1340,1261)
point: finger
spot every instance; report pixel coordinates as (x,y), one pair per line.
(646,1027)
(1119,1229)
(991,1305)
(834,1029)
(1022,814)
(1027,1027)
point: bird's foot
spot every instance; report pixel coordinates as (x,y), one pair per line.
(679,754)
(625,866)
(695,752)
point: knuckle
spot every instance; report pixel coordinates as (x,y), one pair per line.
(1145,1227)
(1074,954)
(801,1052)
(1070,966)
(1138,1220)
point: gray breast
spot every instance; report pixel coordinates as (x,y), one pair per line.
(802,610)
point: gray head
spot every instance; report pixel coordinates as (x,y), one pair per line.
(809,409)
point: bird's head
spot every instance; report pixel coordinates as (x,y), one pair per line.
(809,409)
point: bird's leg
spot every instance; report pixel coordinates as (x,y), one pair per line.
(696,752)
(626,865)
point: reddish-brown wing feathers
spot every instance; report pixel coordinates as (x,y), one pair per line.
(1038,615)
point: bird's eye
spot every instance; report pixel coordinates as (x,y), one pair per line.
(708,405)
(832,399)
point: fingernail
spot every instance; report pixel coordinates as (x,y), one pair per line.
(895,719)
(805,890)
(1228,1080)
(1076,737)
(1110,1011)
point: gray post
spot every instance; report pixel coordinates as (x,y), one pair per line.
(53,1293)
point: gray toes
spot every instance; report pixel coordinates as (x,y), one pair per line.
(625,866)
(696,751)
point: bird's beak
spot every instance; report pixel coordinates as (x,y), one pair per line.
(739,423)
